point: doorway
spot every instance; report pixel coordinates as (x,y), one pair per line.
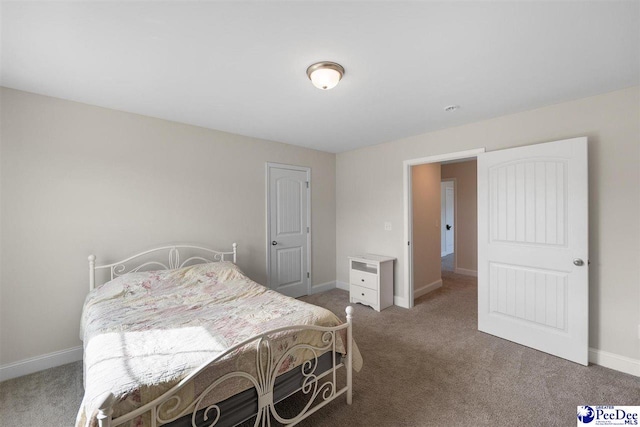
(447,217)
(532,273)
(462,177)
(447,223)
(407,300)
(443,244)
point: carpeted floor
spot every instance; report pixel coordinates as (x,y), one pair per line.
(447,263)
(428,366)
(46,398)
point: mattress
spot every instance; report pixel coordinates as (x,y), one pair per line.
(244,405)
(145,331)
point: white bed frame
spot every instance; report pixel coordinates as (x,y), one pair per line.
(322,387)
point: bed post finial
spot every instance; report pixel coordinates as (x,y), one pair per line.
(105,409)
(349,311)
(235,250)
(92,272)
(349,346)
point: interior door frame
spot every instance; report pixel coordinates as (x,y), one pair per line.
(407,286)
(268,167)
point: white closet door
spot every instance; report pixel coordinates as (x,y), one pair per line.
(533,276)
(288,231)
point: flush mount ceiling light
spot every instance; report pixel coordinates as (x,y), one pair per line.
(325,75)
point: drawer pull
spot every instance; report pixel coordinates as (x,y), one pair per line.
(362,280)
(362,294)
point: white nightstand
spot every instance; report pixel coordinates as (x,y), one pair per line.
(371,280)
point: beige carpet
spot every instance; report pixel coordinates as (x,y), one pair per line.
(423,367)
(447,263)
(47,398)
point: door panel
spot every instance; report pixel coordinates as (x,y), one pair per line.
(534,296)
(290,264)
(532,224)
(288,231)
(528,202)
(288,206)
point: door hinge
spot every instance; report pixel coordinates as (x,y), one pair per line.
(307,229)
(308,275)
(307,184)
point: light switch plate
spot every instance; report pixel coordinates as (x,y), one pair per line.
(387,226)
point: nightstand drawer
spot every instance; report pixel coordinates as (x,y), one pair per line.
(368,296)
(361,278)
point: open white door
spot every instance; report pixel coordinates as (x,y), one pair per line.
(533,276)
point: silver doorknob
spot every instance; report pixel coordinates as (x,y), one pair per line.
(274,243)
(578,262)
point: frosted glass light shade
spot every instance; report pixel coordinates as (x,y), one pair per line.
(325,75)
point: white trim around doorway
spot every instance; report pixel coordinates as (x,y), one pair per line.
(407,286)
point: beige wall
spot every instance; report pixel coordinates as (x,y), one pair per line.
(425,181)
(77,179)
(466,213)
(369,192)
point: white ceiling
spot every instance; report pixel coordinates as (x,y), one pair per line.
(240,66)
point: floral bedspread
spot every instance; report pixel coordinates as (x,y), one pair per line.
(145,331)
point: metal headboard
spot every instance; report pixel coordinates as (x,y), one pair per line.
(119,268)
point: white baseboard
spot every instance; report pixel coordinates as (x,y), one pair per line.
(40,363)
(342,285)
(615,361)
(322,287)
(418,292)
(466,272)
